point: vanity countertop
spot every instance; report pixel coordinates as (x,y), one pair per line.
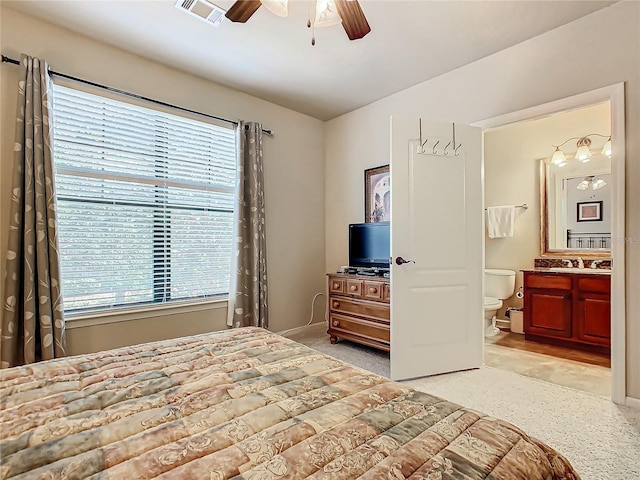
(572,270)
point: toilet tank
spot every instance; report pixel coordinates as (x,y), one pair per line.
(499,283)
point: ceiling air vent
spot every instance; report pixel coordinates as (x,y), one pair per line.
(203,10)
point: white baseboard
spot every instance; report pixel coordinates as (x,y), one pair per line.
(632,402)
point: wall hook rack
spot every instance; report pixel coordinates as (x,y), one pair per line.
(455,147)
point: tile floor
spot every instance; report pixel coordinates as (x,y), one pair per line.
(559,365)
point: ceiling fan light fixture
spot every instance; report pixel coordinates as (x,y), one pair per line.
(279,7)
(326,14)
(591,181)
(584,184)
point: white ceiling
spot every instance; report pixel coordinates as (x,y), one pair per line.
(272,58)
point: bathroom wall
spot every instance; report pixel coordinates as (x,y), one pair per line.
(512,157)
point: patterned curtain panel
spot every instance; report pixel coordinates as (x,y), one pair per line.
(248,286)
(32,326)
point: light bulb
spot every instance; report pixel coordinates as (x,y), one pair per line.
(326,13)
(583,154)
(599,183)
(583,185)
(606,149)
(279,7)
(558,157)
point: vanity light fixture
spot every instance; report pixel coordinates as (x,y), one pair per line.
(593,182)
(583,154)
(606,149)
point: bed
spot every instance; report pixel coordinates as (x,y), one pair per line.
(246,404)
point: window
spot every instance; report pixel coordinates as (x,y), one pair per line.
(145,202)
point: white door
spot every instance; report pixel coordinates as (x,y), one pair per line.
(436,226)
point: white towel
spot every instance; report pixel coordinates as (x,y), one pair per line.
(501,221)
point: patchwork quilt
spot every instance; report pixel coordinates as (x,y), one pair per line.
(246,404)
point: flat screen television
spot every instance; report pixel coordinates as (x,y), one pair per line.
(369,245)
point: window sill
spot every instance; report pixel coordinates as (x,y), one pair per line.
(89,319)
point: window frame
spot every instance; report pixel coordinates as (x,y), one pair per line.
(162,301)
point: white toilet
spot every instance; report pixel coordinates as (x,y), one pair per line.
(498,285)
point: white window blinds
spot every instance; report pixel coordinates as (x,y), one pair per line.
(145,203)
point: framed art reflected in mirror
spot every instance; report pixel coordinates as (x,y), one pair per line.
(589,211)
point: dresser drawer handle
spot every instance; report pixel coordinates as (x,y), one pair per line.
(373,290)
(354,288)
(336,304)
(335,323)
(336,285)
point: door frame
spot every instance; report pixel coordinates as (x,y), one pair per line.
(614,94)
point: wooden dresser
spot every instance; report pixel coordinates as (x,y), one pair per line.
(359,309)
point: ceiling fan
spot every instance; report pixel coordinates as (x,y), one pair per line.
(328,12)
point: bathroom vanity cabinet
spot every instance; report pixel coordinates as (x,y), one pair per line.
(359,309)
(570,309)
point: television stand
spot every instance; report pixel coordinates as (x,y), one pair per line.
(359,309)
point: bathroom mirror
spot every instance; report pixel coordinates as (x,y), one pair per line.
(575,208)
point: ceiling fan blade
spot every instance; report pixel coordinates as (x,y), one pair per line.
(242,10)
(353,19)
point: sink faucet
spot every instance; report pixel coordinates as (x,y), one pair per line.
(580,263)
(569,263)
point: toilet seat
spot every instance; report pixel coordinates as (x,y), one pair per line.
(491,303)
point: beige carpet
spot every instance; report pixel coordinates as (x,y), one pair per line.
(600,439)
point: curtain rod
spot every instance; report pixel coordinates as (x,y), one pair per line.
(6,59)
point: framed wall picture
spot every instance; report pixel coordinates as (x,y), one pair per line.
(377,194)
(590,211)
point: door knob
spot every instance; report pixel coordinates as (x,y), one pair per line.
(400,261)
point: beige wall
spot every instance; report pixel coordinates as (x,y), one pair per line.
(511,176)
(598,50)
(294,173)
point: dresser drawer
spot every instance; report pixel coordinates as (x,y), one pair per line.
(540,280)
(595,284)
(386,295)
(354,287)
(373,290)
(336,285)
(359,326)
(379,312)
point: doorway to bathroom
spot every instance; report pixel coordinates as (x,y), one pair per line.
(515,147)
